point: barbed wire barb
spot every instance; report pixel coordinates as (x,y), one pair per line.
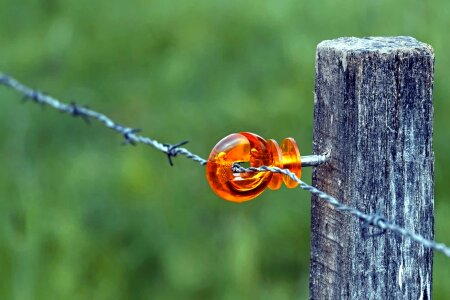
(172,150)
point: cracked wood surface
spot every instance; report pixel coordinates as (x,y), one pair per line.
(374,113)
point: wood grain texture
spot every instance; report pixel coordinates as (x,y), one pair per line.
(374,113)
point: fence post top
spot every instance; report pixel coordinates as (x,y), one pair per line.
(376,44)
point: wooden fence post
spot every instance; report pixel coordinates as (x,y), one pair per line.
(374,113)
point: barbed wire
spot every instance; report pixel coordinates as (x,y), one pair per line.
(376,220)
(171,150)
(129,134)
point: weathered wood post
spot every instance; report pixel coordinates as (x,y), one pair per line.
(374,113)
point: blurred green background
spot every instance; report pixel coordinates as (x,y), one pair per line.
(82,217)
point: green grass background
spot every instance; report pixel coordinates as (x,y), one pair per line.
(82,217)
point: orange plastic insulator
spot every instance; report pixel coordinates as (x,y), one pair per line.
(291,160)
(277,158)
(246,147)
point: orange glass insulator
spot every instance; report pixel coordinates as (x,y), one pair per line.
(235,148)
(277,158)
(291,160)
(246,147)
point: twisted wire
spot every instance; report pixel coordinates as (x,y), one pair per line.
(130,134)
(370,219)
(172,150)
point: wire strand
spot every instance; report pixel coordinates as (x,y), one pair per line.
(172,150)
(371,219)
(130,134)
